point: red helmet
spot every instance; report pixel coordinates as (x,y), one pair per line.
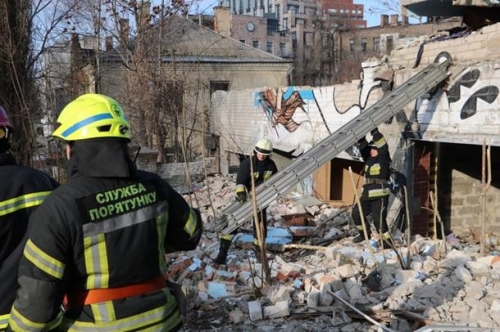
(4,118)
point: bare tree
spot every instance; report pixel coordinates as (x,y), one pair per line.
(152,89)
(384,6)
(26,28)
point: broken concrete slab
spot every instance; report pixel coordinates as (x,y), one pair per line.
(280,309)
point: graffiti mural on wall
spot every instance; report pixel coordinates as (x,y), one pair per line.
(280,106)
(306,115)
(470,80)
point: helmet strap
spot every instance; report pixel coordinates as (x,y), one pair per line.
(4,132)
(4,139)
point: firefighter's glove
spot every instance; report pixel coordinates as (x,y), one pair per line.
(241,197)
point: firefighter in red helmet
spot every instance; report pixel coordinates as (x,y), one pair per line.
(21,192)
(99,240)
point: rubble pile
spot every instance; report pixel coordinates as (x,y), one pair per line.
(326,282)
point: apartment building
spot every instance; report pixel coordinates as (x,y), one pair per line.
(394,31)
(297,29)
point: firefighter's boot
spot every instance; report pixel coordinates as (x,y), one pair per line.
(360,237)
(223,249)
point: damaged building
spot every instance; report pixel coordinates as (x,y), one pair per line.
(445,141)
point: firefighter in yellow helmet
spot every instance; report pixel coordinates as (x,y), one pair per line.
(22,190)
(98,242)
(263,168)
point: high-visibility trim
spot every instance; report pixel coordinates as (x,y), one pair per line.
(103,311)
(4,319)
(161,230)
(373,169)
(380,142)
(96,261)
(162,318)
(17,322)
(85,122)
(373,193)
(240,188)
(265,152)
(191,223)
(93,296)
(256,175)
(43,261)
(267,175)
(22,202)
(228,237)
(125,220)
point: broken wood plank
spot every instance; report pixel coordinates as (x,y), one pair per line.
(279,247)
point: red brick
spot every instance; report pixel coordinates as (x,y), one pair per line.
(294,274)
(281,277)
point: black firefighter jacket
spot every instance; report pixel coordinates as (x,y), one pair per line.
(22,190)
(262,171)
(109,226)
(377,170)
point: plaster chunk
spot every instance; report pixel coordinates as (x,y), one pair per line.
(280,309)
(406,289)
(478,268)
(463,274)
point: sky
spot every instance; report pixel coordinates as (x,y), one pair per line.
(372,19)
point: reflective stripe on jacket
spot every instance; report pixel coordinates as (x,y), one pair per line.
(22,190)
(377,169)
(262,171)
(103,233)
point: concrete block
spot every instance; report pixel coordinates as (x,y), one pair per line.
(287,267)
(325,299)
(237,316)
(345,271)
(255,310)
(330,282)
(463,274)
(478,269)
(280,309)
(313,298)
(282,294)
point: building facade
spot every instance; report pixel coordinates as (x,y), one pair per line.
(300,30)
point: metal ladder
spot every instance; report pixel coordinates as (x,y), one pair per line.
(237,214)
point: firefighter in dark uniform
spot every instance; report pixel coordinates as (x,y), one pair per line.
(22,190)
(98,242)
(263,168)
(376,190)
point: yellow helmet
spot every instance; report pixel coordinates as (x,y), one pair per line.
(92,116)
(264,146)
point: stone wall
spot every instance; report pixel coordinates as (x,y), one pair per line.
(479,45)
